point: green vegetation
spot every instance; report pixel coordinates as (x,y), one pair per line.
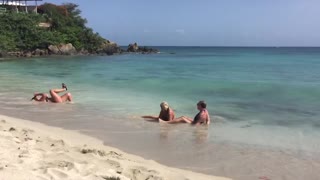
(22,32)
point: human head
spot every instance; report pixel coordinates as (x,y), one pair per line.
(201,105)
(164,105)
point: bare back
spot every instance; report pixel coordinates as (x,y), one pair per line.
(166,115)
(202,117)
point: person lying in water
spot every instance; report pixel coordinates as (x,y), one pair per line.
(202,117)
(166,113)
(55,97)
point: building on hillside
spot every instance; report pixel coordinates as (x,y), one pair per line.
(19,5)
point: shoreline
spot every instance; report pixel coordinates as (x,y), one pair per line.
(4,58)
(69,50)
(38,151)
(8,58)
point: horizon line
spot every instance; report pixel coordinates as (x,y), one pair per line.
(227,46)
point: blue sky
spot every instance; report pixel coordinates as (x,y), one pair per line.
(204,22)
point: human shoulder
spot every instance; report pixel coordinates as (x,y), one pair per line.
(204,114)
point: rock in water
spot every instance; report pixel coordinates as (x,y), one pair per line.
(144,50)
(109,48)
(133,47)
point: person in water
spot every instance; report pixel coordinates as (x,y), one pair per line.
(166,113)
(55,97)
(202,117)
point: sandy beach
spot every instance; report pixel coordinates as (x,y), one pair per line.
(32,150)
(106,64)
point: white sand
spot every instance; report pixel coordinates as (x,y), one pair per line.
(31,151)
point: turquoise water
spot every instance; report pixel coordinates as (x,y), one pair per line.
(256,96)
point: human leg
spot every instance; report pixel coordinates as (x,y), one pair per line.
(55,96)
(182,119)
(66,97)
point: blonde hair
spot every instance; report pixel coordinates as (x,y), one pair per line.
(164,105)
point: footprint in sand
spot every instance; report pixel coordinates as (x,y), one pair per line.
(55,169)
(42,178)
(115,155)
(114,165)
(143,173)
(64,165)
(102,153)
(57,145)
(84,168)
(27,131)
(57,174)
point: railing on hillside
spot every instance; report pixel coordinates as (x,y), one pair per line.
(19,5)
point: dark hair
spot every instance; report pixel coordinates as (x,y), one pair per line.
(202,104)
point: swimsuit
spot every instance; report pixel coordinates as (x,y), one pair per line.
(165,116)
(197,117)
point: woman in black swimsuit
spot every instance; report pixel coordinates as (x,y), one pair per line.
(202,117)
(166,113)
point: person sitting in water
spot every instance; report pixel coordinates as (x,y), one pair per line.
(202,117)
(55,98)
(166,113)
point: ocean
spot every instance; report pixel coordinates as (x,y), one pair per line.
(264,105)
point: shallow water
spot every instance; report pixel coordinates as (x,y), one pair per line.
(263,102)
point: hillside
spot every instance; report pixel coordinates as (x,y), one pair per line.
(56,29)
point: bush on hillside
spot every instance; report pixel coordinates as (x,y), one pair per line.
(21,31)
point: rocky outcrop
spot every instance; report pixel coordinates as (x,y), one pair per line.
(147,50)
(144,50)
(133,47)
(62,49)
(67,49)
(15,54)
(24,54)
(2,54)
(109,48)
(53,49)
(27,54)
(40,52)
(84,52)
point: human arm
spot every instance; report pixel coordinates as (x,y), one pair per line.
(171,114)
(208,119)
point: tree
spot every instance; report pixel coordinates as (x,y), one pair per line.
(20,31)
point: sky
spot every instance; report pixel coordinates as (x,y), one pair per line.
(204,22)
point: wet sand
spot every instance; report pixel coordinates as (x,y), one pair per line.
(32,150)
(197,149)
